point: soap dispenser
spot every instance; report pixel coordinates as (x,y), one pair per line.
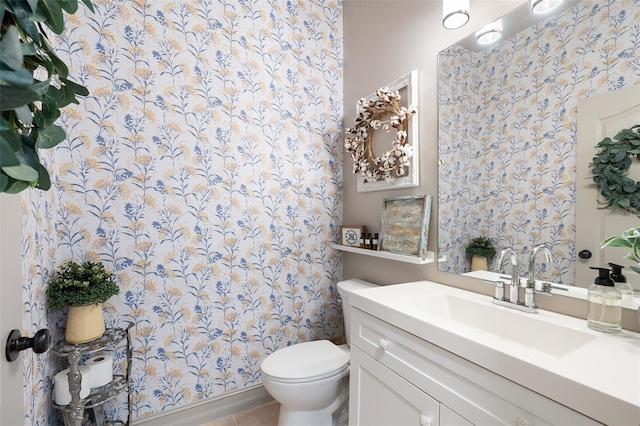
(604,300)
(626,291)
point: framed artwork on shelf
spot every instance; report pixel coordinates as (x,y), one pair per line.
(350,235)
(384,142)
(405,225)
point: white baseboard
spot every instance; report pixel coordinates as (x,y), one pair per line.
(200,413)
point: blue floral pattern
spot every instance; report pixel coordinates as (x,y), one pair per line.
(516,139)
(205,169)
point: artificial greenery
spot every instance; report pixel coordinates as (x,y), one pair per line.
(481,246)
(609,168)
(630,239)
(80,284)
(34,85)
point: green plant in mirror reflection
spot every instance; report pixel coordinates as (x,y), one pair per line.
(609,169)
(630,239)
(481,246)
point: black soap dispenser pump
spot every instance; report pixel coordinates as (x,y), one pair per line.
(616,273)
(626,291)
(604,304)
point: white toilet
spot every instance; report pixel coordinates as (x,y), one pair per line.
(311,380)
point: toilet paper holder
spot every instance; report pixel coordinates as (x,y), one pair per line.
(77,355)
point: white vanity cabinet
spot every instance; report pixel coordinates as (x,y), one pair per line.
(400,379)
(385,398)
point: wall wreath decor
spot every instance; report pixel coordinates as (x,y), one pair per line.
(610,166)
(384,111)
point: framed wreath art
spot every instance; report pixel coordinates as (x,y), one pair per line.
(390,108)
(610,166)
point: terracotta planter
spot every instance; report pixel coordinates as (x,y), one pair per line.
(84,323)
(479,263)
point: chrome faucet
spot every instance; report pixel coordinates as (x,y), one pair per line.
(515,280)
(514,287)
(531,279)
(530,289)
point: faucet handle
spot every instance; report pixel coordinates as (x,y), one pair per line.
(499,294)
(545,289)
(529,301)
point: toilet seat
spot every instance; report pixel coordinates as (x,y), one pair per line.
(305,362)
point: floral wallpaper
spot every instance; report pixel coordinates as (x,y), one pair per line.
(205,169)
(514,137)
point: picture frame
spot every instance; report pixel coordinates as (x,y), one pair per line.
(405,225)
(407,85)
(350,235)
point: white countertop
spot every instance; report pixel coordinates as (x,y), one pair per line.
(600,378)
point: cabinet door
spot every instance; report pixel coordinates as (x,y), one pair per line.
(479,395)
(379,396)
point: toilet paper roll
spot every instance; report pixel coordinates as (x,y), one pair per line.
(61,394)
(101,367)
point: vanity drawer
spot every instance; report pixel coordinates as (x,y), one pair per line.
(476,394)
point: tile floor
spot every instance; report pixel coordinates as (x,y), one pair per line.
(264,415)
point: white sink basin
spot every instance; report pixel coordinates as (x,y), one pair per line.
(526,329)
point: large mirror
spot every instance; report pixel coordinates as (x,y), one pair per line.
(508,130)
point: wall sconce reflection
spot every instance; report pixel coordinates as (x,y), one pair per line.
(542,6)
(490,33)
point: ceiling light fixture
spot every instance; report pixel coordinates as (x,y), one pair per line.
(543,6)
(490,33)
(455,13)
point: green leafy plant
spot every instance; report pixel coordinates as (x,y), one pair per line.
(80,284)
(481,246)
(34,86)
(630,239)
(609,169)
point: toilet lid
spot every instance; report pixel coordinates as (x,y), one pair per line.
(305,360)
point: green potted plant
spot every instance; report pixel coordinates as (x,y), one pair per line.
(83,288)
(34,86)
(630,239)
(480,249)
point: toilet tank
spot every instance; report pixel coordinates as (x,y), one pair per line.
(345,288)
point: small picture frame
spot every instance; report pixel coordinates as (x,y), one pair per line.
(350,235)
(405,225)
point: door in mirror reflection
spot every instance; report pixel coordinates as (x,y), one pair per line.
(603,116)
